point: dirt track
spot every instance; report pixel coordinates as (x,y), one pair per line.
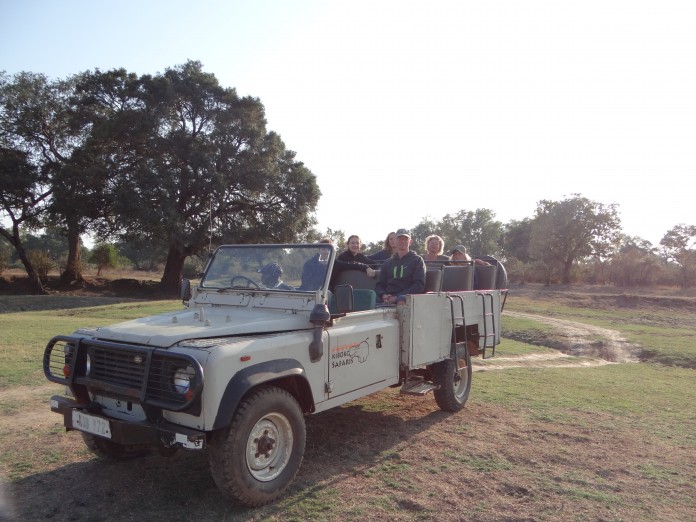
(584,340)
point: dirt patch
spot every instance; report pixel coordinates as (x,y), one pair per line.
(583,340)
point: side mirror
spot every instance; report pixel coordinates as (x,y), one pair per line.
(185,292)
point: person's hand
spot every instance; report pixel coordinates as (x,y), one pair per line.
(370,272)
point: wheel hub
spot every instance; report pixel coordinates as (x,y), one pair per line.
(264,445)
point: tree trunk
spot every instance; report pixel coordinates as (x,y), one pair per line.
(73,269)
(567,267)
(35,285)
(173,270)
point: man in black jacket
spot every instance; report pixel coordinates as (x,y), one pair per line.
(403,273)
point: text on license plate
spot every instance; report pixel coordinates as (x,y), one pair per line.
(91,424)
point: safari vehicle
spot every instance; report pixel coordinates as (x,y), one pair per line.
(249,355)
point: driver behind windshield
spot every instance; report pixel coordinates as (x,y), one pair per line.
(270,277)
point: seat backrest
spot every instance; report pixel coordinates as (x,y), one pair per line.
(501,279)
(433,280)
(364,299)
(356,279)
(485,277)
(348,299)
(457,278)
(342,300)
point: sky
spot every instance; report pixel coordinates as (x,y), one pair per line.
(408,110)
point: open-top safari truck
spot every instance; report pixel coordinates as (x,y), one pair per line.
(237,368)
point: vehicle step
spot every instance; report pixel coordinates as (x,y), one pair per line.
(418,387)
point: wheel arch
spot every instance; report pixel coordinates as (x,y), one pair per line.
(287,374)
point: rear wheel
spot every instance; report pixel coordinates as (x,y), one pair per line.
(254,460)
(454,378)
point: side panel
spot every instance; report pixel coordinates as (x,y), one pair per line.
(363,351)
(426,321)
(427,329)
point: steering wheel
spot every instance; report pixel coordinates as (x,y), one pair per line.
(249,282)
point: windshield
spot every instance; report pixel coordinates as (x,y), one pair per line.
(269,267)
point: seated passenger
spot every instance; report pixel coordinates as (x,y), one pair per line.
(434,246)
(270,277)
(314,269)
(403,273)
(459,253)
(351,259)
(388,250)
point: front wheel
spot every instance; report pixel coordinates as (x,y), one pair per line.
(454,378)
(254,460)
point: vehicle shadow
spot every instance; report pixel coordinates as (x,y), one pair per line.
(340,442)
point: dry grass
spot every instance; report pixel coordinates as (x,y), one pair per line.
(613,442)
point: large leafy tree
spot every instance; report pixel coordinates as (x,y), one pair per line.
(679,245)
(477,230)
(35,142)
(204,169)
(564,232)
(516,240)
(37,122)
(23,199)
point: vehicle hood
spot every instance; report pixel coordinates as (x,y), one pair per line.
(167,329)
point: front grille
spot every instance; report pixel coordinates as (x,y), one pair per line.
(117,366)
(151,376)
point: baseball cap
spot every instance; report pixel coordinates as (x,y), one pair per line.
(461,248)
(403,232)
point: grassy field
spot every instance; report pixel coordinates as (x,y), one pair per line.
(610,442)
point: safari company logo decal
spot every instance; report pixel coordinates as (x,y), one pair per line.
(349,353)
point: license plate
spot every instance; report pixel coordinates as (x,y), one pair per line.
(91,424)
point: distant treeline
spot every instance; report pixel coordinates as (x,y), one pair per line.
(161,168)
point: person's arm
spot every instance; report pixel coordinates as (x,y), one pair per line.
(340,266)
(381,284)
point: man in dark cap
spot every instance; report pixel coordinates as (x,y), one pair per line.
(270,277)
(403,273)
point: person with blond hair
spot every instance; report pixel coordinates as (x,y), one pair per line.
(434,248)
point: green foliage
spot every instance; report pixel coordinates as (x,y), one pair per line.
(679,244)
(575,228)
(105,255)
(477,230)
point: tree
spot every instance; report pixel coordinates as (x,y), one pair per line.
(104,255)
(23,199)
(207,171)
(566,231)
(635,263)
(516,239)
(679,245)
(38,132)
(477,230)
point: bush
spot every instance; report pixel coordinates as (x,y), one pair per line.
(42,263)
(105,255)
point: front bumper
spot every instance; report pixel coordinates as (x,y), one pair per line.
(128,433)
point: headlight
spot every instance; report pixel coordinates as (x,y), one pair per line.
(182,379)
